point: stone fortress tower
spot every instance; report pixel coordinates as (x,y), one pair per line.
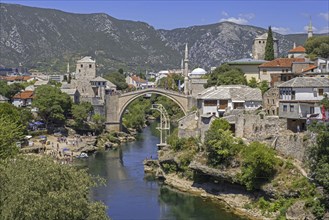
(258,48)
(85,68)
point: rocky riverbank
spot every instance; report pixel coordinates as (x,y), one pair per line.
(221,185)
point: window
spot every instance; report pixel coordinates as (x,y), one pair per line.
(81,65)
(90,65)
(260,42)
(264,71)
(223,104)
(284,108)
(268,101)
(320,91)
(210,102)
(311,110)
(292,108)
(293,93)
(273,101)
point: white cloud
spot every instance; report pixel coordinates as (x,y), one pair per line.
(224,13)
(325,16)
(235,20)
(313,28)
(281,30)
(248,16)
(324,30)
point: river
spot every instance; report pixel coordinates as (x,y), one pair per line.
(129,195)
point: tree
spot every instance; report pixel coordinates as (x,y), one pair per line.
(10,90)
(81,112)
(269,48)
(226,75)
(253,83)
(259,163)
(325,101)
(11,131)
(263,86)
(118,79)
(317,46)
(53,105)
(220,143)
(38,188)
(98,122)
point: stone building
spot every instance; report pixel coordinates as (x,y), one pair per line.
(258,48)
(299,101)
(248,66)
(271,101)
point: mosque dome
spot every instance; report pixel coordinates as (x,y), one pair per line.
(198,71)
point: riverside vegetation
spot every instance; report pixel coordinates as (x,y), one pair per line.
(277,186)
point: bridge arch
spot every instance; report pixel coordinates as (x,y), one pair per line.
(117,104)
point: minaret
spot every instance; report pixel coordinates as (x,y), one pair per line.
(68,67)
(310,29)
(186,81)
(294,45)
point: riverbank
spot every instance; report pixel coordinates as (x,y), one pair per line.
(233,202)
(232,199)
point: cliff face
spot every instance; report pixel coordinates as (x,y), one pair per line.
(46,38)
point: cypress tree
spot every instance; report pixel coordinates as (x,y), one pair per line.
(269,49)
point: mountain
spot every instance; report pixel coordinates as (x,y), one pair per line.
(46,39)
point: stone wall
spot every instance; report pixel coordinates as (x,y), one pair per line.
(188,126)
(272,130)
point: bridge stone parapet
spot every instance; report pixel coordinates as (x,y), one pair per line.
(116,104)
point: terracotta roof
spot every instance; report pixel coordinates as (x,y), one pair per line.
(17,78)
(282,62)
(138,79)
(24,95)
(299,49)
(311,67)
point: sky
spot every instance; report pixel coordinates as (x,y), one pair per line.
(284,16)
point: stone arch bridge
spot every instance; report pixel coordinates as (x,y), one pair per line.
(116,104)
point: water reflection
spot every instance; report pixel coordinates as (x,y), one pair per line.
(131,196)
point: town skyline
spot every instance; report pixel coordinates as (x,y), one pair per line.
(285,17)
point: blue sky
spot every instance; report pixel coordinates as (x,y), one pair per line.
(285,16)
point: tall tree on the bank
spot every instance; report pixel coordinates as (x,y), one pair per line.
(269,48)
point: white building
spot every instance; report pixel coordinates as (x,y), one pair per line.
(23,99)
(299,100)
(217,100)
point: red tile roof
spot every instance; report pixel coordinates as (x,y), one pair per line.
(138,79)
(299,49)
(17,78)
(24,95)
(282,62)
(311,67)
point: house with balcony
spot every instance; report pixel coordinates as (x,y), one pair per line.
(217,100)
(299,101)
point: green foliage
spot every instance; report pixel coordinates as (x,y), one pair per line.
(53,105)
(220,143)
(226,75)
(81,112)
(55,83)
(253,82)
(263,86)
(134,117)
(98,125)
(10,90)
(11,131)
(269,48)
(170,82)
(259,163)
(169,168)
(38,188)
(318,46)
(118,79)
